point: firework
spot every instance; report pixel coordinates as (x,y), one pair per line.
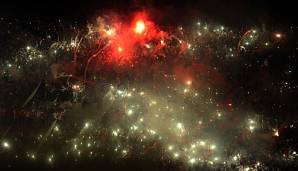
(147,91)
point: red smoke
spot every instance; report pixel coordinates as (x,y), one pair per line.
(125,38)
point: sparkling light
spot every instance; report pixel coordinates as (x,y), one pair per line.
(278,35)
(139,27)
(120,49)
(169,107)
(6,145)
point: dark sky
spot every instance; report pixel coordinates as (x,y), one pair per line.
(234,12)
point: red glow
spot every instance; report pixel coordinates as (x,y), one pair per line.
(126,37)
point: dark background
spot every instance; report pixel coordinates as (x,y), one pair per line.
(229,12)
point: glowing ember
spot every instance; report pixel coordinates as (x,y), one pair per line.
(188,82)
(120,49)
(278,35)
(110,32)
(276,133)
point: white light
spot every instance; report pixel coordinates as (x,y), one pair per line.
(192,160)
(139,27)
(73,43)
(129,112)
(56,128)
(134,127)
(152,132)
(6,145)
(188,46)
(110,32)
(33,156)
(176,155)
(251,127)
(115,133)
(276,133)
(278,35)
(212,147)
(202,143)
(179,125)
(188,82)
(185,90)
(147,46)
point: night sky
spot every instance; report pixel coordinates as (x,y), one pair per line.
(148,85)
